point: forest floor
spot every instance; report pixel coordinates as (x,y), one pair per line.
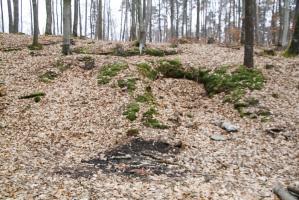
(48,149)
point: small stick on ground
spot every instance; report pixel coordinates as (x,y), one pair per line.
(282,193)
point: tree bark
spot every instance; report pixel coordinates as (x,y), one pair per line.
(76,13)
(49,17)
(2,18)
(16,16)
(172,29)
(294,46)
(249,34)
(35,20)
(66,26)
(99,26)
(10,19)
(286,21)
(133,21)
(198,18)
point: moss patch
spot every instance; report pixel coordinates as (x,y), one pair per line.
(81,50)
(130,84)
(35,47)
(109,71)
(131,111)
(48,76)
(147,97)
(154,52)
(149,120)
(171,69)
(146,70)
(132,132)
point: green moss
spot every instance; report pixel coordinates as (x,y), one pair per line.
(37,99)
(171,69)
(149,120)
(154,52)
(35,47)
(109,71)
(120,51)
(147,97)
(61,66)
(130,84)
(48,76)
(146,70)
(131,111)
(81,50)
(269,52)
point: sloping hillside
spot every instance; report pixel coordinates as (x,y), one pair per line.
(49,144)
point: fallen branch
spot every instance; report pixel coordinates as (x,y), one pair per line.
(294,190)
(282,193)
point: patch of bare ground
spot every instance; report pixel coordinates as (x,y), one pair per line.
(78,119)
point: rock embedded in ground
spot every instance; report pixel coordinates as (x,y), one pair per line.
(229,127)
(217,137)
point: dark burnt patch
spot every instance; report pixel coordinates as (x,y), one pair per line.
(140,158)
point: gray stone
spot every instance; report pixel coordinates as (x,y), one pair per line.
(229,127)
(218,137)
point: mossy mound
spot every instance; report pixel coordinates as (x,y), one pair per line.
(149,120)
(48,76)
(171,69)
(109,71)
(35,47)
(146,70)
(81,50)
(129,84)
(147,97)
(131,111)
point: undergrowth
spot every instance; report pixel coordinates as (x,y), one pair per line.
(129,84)
(147,71)
(109,71)
(149,120)
(131,111)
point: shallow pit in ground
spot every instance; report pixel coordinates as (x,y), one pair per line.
(140,157)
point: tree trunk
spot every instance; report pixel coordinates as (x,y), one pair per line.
(10,19)
(85,28)
(49,17)
(198,18)
(243,23)
(35,19)
(294,46)
(75,24)
(286,20)
(16,16)
(2,18)
(249,34)
(219,21)
(66,26)
(80,19)
(99,26)
(172,29)
(142,32)
(133,21)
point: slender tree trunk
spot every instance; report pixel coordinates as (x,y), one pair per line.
(198,18)
(286,21)
(75,23)
(53,18)
(10,19)
(294,46)
(80,19)
(57,19)
(99,26)
(249,34)
(21,15)
(219,20)
(243,23)
(85,28)
(133,21)
(2,18)
(49,17)
(66,26)
(35,17)
(142,32)
(149,18)
(172,19)
(31,18)
(177,18)
(159,21)
(16,16)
